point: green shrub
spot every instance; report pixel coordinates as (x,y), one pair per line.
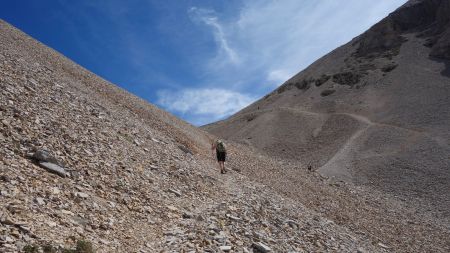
(327,92)
(304,84)
(283,88)
(31,249)
(49,249)
(322,79)
(82,246)
(346,78)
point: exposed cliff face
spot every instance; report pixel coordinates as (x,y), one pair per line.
(429,19)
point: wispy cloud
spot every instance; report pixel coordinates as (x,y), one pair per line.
(209,60)
(278,75)
(203,105)
(209,18)
(276,39)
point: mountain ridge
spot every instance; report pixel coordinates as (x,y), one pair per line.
(135,178)
(392,76)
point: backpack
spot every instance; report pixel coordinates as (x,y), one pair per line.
(220,146)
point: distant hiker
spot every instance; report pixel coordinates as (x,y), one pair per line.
(221,154)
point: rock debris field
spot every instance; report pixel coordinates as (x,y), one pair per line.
(81,159)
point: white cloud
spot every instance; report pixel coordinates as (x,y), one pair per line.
(278,75)
(208,17)
(276,39)
(264,45)
(203,105)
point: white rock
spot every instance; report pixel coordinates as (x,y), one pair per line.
(82,195)
(67,212)
(53,168)
(51,224)
(383,245)
(177,193)
(40,201)
(225,248)
(56,191)
(261,247)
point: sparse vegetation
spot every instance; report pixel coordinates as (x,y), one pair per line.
(283,88)
(49,249)
(346,78)
(366,66)
(250,117)
(327,92)
(304,84)
(389,67)
(82,246)
(31,249)
(322,79)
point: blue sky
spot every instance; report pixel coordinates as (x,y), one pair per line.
(202,60)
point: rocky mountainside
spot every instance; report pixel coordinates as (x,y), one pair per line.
(374,112)
(82,160)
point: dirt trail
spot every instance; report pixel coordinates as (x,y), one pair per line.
(339,160)
(357,117)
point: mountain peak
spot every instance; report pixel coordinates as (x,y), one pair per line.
(427,19)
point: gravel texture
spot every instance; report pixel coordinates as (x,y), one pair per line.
(137,179)
(82,159)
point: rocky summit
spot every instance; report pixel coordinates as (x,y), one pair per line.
(87,167)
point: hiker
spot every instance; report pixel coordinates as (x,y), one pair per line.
(221,154)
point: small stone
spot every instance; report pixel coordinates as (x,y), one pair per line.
(360,250)
(172,208)
(44,156)
(260,247)
(9,239)
(56,191)
(8,221)
(24,228)
(82,195)
(79,230)
(225,248)
(51,224)
(292,224)
(15,233)
(187,215)
(153,167)
(234,218)
(185,149)
(40,201)
(384,246)
(54,168)
(177,193)
(67,212)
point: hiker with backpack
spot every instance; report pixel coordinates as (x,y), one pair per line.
(221,154)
